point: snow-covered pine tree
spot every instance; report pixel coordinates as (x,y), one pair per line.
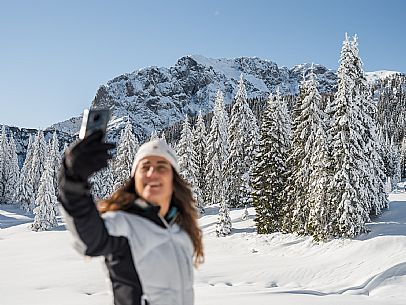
(321,214)
(223,225)
(102,182)
(311,129)
(29,151)
(45,202)
(154,135)
(13,172)
(55,159)
(243,136)
(217,151)
(200,144)
(163,137)
(309,118)
(245,213)
(375,198)
(187,162)
(347,189)
(37,165)
(96,183)
(286,117)
(379,196)
(25,193)
(403,158)
(3,163)
(269,168)
(127,147)
(394,163)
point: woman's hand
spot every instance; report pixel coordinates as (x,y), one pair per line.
(87,156)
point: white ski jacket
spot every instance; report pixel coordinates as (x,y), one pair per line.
(163,257)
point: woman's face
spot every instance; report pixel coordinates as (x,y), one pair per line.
(154,182)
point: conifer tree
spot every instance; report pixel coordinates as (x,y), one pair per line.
(243,136)
(217,152)
(375,198)
(245,213)
(3,163)
(200,144)
(269,170)
(55,159)
(378,194)
(37,165)
(29,151)
(187,162)
(216,157)
(45,202)
(223,225)
(286,117)
(308,126)
(316,159)
(403,157)
(13,172)
(102,182)
(154,135)
(163,137)
(394,163)
(376,177)
(25,192)
(320,215)
(347,189)
(127,147)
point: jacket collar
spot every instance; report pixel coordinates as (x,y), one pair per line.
(151,212)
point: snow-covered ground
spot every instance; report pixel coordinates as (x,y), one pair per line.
(42,268)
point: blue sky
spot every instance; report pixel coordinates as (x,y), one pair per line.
(55,54)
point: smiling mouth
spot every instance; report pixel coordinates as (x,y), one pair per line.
(153,184)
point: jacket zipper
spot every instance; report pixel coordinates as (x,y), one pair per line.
(177,256)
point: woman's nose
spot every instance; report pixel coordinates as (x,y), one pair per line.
(150,171)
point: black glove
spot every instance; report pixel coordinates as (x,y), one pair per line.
(87,156)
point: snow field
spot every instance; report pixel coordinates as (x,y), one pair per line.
(43,268)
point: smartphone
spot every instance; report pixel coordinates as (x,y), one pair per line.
(94,119)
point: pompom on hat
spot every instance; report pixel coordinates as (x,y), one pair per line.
(157,148)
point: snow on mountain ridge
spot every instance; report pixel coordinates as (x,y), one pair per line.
(155,98)
(373,77)
(70,126)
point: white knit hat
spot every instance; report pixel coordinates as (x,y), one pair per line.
(158,148)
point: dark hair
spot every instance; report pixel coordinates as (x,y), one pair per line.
(182,198)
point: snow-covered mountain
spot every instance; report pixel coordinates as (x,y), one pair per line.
(70,126)
(154,98)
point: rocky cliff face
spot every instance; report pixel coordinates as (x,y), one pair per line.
(154,98)
(21,136)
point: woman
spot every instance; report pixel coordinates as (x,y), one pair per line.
(147,230)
